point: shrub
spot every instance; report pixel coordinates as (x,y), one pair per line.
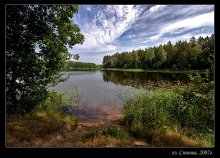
(195,107)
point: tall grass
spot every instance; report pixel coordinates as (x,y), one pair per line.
(147,113)
(55,106)
(190,111)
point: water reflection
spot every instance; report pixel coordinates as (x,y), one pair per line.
(144,79)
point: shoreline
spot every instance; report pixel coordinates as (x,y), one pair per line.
(140,70)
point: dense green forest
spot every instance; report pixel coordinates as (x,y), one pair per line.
(195,54)
(75,65)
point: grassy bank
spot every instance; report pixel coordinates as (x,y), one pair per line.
(174,116)
(139,70)
(47,118)
(151,70)
(83,69)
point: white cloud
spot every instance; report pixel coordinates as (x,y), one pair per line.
(155,37)
(88,7)
(206,19)
(109,24)
(92,59)
(184,37)
(177,27)
(156,8)
(131,36)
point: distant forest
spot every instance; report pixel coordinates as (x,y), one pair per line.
(195,54)
(75,65)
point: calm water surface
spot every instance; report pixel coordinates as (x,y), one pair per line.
(103,93)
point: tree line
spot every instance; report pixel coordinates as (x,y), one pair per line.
(74,65)
(195,54)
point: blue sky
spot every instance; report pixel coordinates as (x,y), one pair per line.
(116,28)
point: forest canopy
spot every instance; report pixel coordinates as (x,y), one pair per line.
(72,65)
(195,54)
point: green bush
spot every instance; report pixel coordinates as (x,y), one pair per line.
(195,107)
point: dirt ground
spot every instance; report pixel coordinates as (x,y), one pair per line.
(68,137)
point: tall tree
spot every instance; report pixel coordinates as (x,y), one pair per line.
(36,40)
(183,51)
(211,58)
(161,56)
(193,41)
(193,55)
(171,53)
(149,56)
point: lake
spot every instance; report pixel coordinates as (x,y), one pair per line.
(101,94)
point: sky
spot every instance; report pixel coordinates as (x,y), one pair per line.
(117,28)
